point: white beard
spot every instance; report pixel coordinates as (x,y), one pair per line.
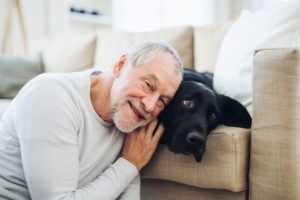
(122,122)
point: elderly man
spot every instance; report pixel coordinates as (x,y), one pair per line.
(86,135)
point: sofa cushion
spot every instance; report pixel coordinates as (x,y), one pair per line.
(161,190)
(207,41)
(16,72)
(224,164)
(112,44)
(69,54)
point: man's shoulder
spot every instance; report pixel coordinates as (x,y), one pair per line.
(49,91)
(52,81)
(48,78)
(48,85)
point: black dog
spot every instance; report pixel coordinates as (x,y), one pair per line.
(195,110)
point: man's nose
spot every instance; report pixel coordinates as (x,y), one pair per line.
(150,102)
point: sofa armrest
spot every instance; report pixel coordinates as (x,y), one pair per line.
(224,164)
(275,142)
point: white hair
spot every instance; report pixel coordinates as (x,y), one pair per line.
(144,52)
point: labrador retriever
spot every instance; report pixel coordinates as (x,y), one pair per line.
(197,109)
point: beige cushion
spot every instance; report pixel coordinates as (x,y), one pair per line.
(112,44)
(224,164)
(275,144)
(69,54)
(207,41)
(164,190)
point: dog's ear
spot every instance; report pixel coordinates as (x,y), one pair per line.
(164,116)
(233,113)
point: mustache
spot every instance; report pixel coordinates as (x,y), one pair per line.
(139,107)
(136,104)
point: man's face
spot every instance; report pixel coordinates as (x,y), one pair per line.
(141,92)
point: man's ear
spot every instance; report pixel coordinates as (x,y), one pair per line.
(233,113)
(119,65)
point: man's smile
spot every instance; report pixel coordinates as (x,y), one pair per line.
(136,112)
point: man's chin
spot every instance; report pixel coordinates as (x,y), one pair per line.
(126,127)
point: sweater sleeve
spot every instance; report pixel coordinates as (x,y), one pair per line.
(47,123)
(133,191)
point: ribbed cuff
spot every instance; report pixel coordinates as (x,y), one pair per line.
(126,167)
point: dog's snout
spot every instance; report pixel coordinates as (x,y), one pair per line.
(194,138)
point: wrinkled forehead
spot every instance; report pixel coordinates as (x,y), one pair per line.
(168,83)
(165,62)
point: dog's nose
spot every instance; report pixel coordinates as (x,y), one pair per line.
(194,138)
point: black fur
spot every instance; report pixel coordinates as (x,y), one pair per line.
(195,110)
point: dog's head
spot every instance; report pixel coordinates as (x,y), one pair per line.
(194,111)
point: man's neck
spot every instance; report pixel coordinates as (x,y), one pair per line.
(100,95)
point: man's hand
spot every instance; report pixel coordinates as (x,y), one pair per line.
(140,144)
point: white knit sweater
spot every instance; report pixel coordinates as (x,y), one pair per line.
(53,145)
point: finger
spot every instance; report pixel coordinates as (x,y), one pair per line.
(158,133)
(150,129)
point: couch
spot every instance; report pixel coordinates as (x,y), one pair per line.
(259,164)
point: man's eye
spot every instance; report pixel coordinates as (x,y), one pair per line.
(161,105)
(165,101)
(148,85)
(188,103)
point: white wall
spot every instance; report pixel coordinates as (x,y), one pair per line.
(34,18)
(42,18)
(45,18)
(144,15)
(48,18)
(251,5)
(1,20)
(136,15)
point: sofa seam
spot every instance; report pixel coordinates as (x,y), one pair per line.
(236,149)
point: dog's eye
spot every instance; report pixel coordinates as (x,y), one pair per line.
(188,103)
(213,117)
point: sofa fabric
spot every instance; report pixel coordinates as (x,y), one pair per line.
(275,144)
(16,72)
(167,190)
(69,54)
(207,42)
(224,164)
(111,44)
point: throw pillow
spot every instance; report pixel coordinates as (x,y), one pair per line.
(16,72)
(69,54)
(207,42)
(272,27)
